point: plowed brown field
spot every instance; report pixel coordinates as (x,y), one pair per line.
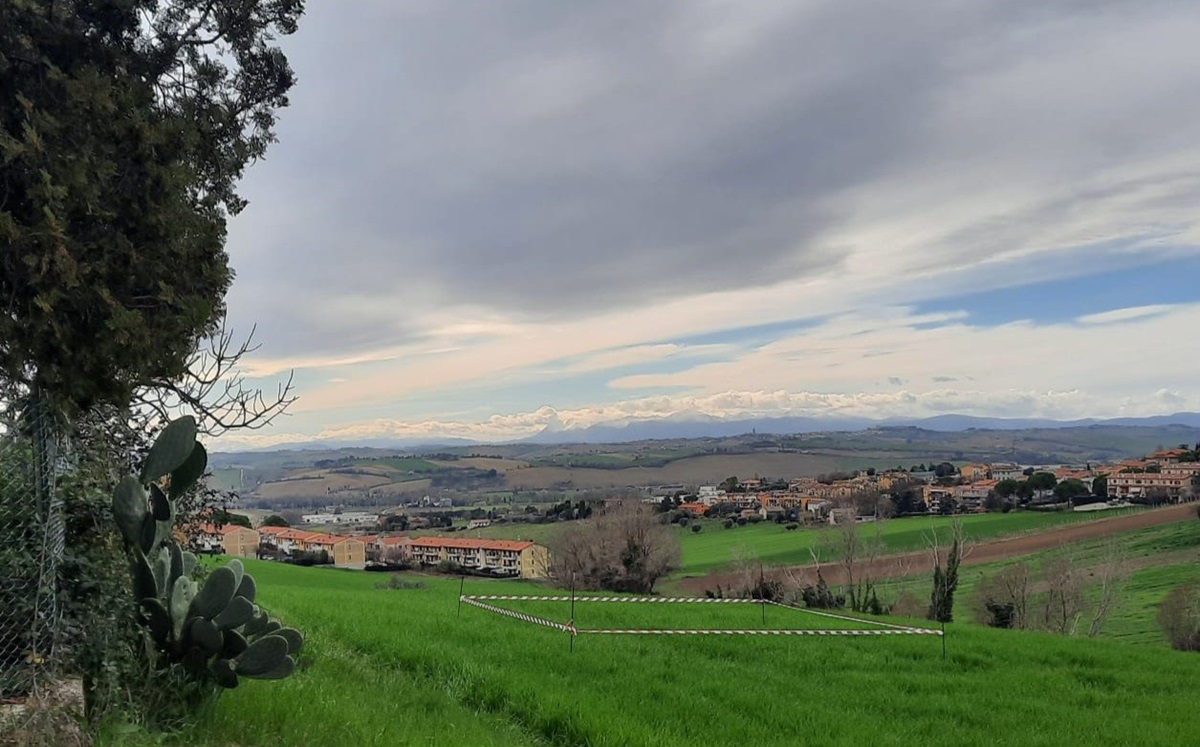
(903,564)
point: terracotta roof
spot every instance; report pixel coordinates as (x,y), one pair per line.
(272,530)
(207,528)
(320,538)
(472,544)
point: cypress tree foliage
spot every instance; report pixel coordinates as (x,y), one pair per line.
(945,582)
(124,127)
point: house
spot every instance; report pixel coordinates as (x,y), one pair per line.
(1133,484)
(519,558)
(479,523)
(291,540)
(695,509)
(935,496)
(389,549)
(344,551)
(974,471)
(230,539)
(842,516)
(1006,471)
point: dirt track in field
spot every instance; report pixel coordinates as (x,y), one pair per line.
(920,561)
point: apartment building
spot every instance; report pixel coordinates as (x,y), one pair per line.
(519,558)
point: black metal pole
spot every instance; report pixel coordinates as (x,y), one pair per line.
(572,622)
(461,585)
(762,593)
(943,640)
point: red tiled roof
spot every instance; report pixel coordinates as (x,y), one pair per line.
(272,530)
(207,528)
(472,544)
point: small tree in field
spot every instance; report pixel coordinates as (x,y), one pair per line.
(623,547)
(1179,617)
(945,577)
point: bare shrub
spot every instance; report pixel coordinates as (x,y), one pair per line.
(1112,574)
(1002,600)
(622,548)
(1063,601)
(1179,617)
(856,556)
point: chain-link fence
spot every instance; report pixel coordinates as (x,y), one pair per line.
(31,545)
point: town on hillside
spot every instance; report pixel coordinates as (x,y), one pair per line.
(386,540)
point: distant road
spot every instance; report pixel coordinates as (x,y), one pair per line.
(989,551)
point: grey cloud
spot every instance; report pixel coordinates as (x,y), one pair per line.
(548,159)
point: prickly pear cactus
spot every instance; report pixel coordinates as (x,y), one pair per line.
(215,630)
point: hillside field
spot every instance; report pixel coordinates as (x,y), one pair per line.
(715,547)
(407,667)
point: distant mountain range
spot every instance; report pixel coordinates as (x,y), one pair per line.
(699,425)
(706,426)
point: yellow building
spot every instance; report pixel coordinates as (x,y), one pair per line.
(520,558)
(230,539)
(344,551)
(975,471)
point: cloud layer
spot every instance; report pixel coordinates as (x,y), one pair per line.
(549,203)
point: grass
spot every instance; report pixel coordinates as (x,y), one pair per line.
(1162,557)
(406,666)
(403,464)
(772,544)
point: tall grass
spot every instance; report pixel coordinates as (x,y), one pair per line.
(408,667)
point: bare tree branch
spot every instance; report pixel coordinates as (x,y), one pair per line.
(215,389)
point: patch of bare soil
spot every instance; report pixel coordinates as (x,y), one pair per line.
(50,716)
(920,561)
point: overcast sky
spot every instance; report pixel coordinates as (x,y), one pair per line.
(485,218)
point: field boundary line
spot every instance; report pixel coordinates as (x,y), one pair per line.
(478,600)
(758,631)
(594,598)
(566,628)
(848,618)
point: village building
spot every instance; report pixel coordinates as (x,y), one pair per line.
(518,558)
(230,539)
(1175,486)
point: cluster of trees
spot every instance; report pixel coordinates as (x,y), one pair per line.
(124,128)
(1053,594)
(625,547)
(1044,487)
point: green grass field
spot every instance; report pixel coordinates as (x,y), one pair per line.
(403,464)
(1159,558)
(772,544)
(408,667)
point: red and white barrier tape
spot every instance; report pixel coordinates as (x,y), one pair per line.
(535,598)
(759,631)
(569,627)
(521,615)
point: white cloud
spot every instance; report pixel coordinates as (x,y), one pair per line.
(559,215)
(1126,315)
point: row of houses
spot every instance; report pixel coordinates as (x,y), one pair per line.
(232,539)
(516,558)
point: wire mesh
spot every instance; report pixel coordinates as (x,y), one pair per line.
(32,537)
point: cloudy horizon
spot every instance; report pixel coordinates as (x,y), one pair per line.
(483,220)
